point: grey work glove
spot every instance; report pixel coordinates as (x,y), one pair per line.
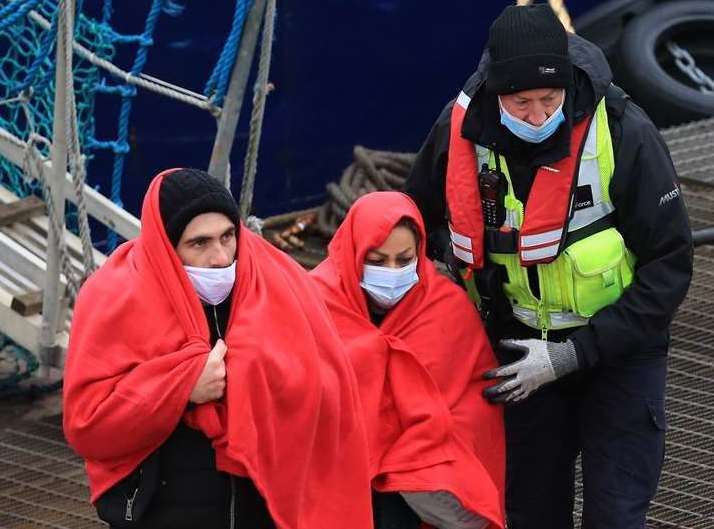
(542,362)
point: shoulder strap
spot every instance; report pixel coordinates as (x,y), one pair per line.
(549,202)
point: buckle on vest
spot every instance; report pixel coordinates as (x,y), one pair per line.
(501,241)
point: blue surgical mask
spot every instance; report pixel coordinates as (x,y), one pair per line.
(386,286)
(528,132)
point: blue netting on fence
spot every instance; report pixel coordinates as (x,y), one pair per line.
(27,70)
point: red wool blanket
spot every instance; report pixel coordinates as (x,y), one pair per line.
(419,372)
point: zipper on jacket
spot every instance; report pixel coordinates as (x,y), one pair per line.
(129,512)
(232,508)
(215,321)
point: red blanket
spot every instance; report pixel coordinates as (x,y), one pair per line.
(419,372)
(290,418)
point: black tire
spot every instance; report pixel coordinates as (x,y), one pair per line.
(647,71)
(604,23)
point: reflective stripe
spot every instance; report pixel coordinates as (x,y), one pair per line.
(483,154)
(461,240)
(589,175)
(542,238)
(558,320)
(590,147)
(527,316)
(462,254)
(463,100)
(585,217)
(512,219)
(540,253)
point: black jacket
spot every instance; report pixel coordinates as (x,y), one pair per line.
(179,486)
(650,213)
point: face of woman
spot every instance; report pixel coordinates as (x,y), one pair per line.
(397,251)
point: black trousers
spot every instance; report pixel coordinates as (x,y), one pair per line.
(612,415)
(192,494)
(391,511)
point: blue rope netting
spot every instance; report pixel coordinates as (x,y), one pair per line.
(27,70)
(217,83)
(27,66)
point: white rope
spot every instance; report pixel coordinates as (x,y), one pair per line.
(32,166)
(558,6)
(262,87)
(76,161)
(143,81)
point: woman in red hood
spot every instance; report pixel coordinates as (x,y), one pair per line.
(418,349)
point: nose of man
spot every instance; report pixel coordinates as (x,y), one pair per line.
(220,257)
(537,116)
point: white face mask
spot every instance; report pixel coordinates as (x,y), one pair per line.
(212,284)
(386,286)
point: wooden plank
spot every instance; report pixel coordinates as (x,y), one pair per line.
(21,259)
(22,282)
(21,210)
(27,304)
(24,331)
(98,206)
(5,297)
(41,224)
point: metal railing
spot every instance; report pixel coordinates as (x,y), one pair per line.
(703,236)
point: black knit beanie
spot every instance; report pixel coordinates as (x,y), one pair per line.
(186,193)
(529,49)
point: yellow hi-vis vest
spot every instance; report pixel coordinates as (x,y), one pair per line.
(588,274)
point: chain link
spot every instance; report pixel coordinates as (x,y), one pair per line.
(686,63)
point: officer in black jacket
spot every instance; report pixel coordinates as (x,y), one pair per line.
(600,385)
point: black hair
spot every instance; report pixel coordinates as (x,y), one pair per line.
(408,222)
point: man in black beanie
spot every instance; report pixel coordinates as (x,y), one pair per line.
(179,486)
(547,190)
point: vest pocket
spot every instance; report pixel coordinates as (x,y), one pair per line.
(600,270)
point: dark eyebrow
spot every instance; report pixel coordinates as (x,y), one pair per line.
(405,250)
(203,238)
(198,238)
(377,252)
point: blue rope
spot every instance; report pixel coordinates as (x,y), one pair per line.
(16,10)
(42,57)
(125,113)
(122,90)
(141,40)
(217,83)
(107,11)
(173,8)
(115,146)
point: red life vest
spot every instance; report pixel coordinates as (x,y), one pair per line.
(547,210)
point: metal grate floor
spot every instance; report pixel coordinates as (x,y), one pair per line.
(42,482)
(690,147)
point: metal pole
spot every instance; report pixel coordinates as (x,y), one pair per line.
(703,236)
(51,295)
(221,153)
(262,87)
